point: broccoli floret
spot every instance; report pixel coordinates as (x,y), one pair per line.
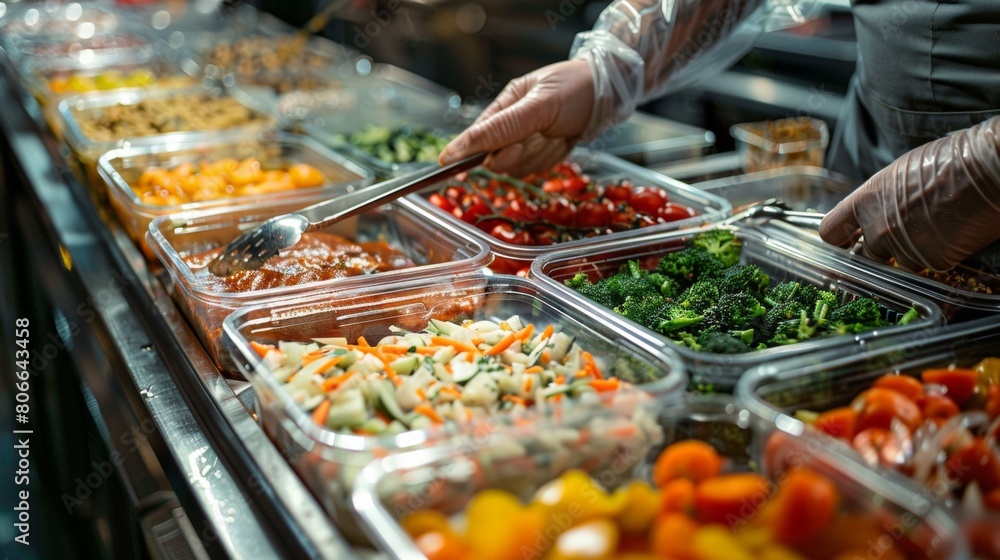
(784,292)
(687,339)
(767,324)
(747,279)
(733,312)
(598,293)
(690,265)
(699,296)
(721,343)
(720,243)
(786,332)
(857,316)
(621,286)
(667,286)
(677,318)
(647,310)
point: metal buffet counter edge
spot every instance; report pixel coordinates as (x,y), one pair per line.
(208,482)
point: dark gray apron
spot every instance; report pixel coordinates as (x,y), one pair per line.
(925,68)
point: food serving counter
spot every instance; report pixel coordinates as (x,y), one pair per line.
(200,477)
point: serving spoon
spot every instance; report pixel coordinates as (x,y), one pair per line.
(251,249)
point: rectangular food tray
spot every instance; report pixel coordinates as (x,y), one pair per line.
(437,252)
(122,168)
(648,140)
(810,266)
(800,187)
(329,461)
(445,478)
(602,168)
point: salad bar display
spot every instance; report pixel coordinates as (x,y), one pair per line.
(495,367)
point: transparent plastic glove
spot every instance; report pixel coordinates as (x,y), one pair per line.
(643,49)
(930,209)
(534,122)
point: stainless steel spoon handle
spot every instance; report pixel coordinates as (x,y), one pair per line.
(325,213)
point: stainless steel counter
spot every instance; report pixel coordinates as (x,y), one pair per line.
(201,475)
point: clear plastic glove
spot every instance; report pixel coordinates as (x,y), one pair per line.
(534,122)
(930,209)
(638,50)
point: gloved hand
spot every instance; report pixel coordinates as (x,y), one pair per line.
(534,122)
(930,209)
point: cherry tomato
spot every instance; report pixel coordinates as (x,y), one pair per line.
(593,214)
(975,462)
(961,383)
(671,212)
(806,504)
(541,234)
(443,203)
(648,200)
(476,210)
(454,192)
(559,212)
(937,407)
(877,406)
(553,186)
(522,211)
(574,185)
(620,192)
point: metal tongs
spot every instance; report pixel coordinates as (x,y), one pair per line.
(251,249)
(776,209)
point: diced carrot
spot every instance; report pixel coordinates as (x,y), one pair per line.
(470,357)
(528,382)
(383,416)
(838,422)
(397,381)
(526,332)
(428,411)
(591,365)
(548,332)
(477,340)
(394,349)
(602,385)
(545,358)
(320,412)
(504,344)
(363,342)
(427,350)
(421,394)
(560,380)
(534,369)
(457,345)
(580,373)
(692,459)
(333,383)
(723,498)
(556,398)
(261,349)
(909,386)
(961,383)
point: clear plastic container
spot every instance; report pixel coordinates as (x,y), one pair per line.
(123,167)
(781,143)
(958,303)
(51,81)
(801,188)
(817,382)
(445,478)
(810,265)
(29,20)
(436,251)
(648,139)
(87,150)
(602,168)
(387,97)
(329,461)
(126,43)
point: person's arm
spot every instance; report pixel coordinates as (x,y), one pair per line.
(930,209)
(638,49)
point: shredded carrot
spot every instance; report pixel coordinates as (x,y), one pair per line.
(360,432)
(581,373)
(421,394)
(428,411)
(397,381)
(470,357)
(534,369)
(335,382)
(383,417)
(514,399)
(560,380)
(457,345)
(477,340)
(447,367)
(526,332)
(330,365)
(528,382)
(320,412)
(590,364)
(468,414)
(548,332)
(393,349)
(363,342)
(502,345)
(261,349)
(556,398)
(451,390)
(601,385)
(427,350)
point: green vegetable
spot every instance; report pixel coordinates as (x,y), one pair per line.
(403,144)
(727,309)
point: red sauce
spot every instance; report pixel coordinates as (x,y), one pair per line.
(317,257)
